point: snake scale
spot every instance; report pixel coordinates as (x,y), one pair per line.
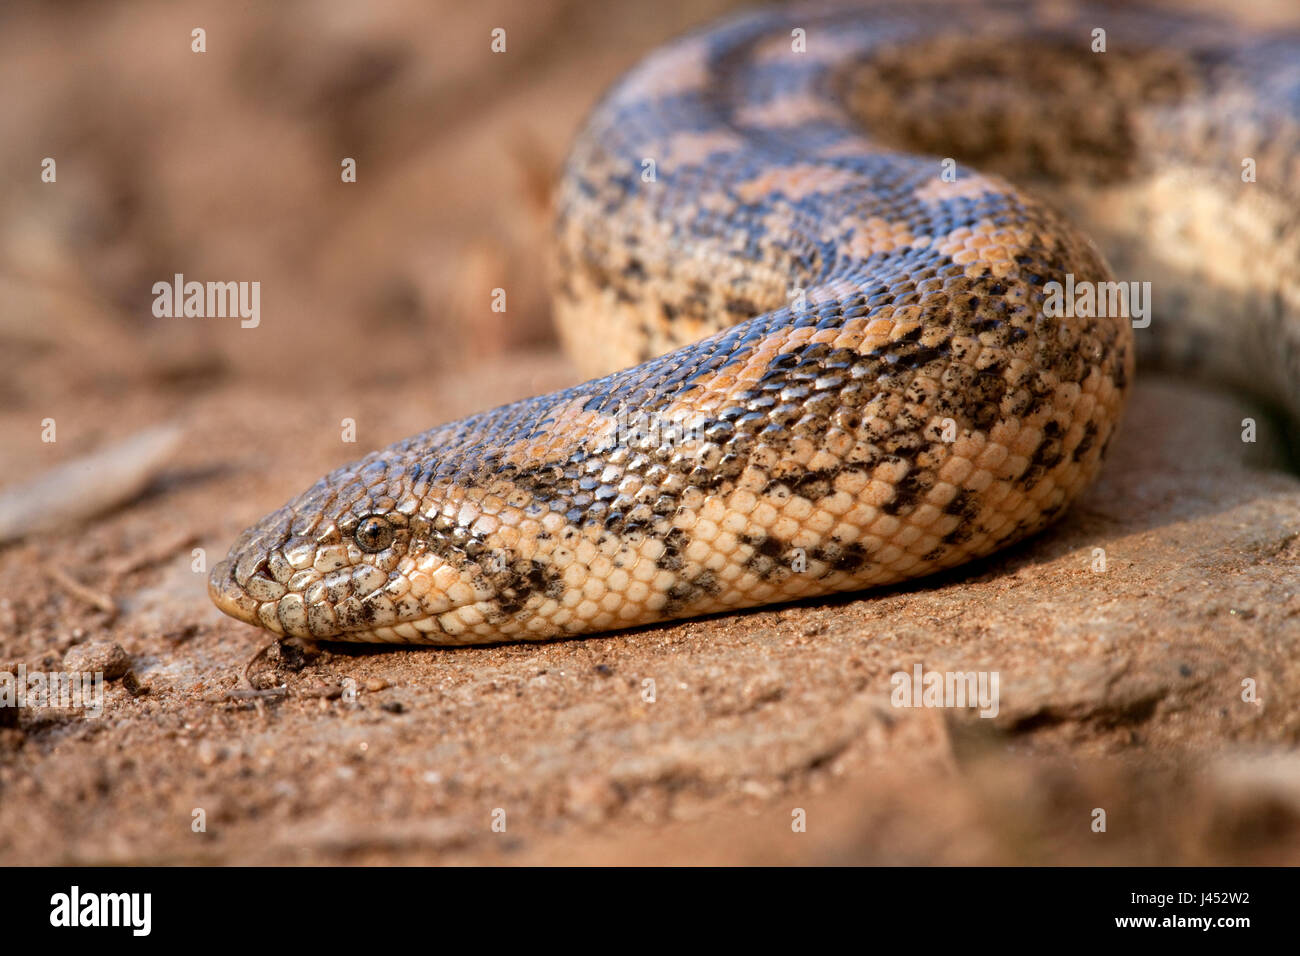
(799,230)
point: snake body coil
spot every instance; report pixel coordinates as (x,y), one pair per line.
(848,373)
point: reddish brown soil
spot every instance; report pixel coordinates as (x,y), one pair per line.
(1121,690)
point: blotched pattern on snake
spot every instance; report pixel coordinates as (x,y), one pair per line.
(795,229)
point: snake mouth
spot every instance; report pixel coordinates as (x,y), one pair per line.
(234,599)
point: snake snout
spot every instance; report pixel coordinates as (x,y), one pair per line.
(251,580)
(228,596)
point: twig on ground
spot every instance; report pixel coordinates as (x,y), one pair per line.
(81,592)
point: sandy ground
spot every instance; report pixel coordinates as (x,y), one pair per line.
(1146,647)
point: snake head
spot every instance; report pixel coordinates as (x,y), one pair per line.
(348,560)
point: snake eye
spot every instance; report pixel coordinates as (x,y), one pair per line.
(374,534)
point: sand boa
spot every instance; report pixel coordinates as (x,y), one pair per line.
(852,372)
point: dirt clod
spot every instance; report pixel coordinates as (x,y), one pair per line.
(93,657)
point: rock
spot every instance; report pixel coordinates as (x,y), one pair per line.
(98,656)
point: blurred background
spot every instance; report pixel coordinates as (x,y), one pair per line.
(376,306)
(226,165)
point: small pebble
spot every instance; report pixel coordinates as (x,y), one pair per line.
(133,685)
(323,691)
(97,656)
(376,683)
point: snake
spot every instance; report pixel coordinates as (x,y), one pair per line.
(835,275)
